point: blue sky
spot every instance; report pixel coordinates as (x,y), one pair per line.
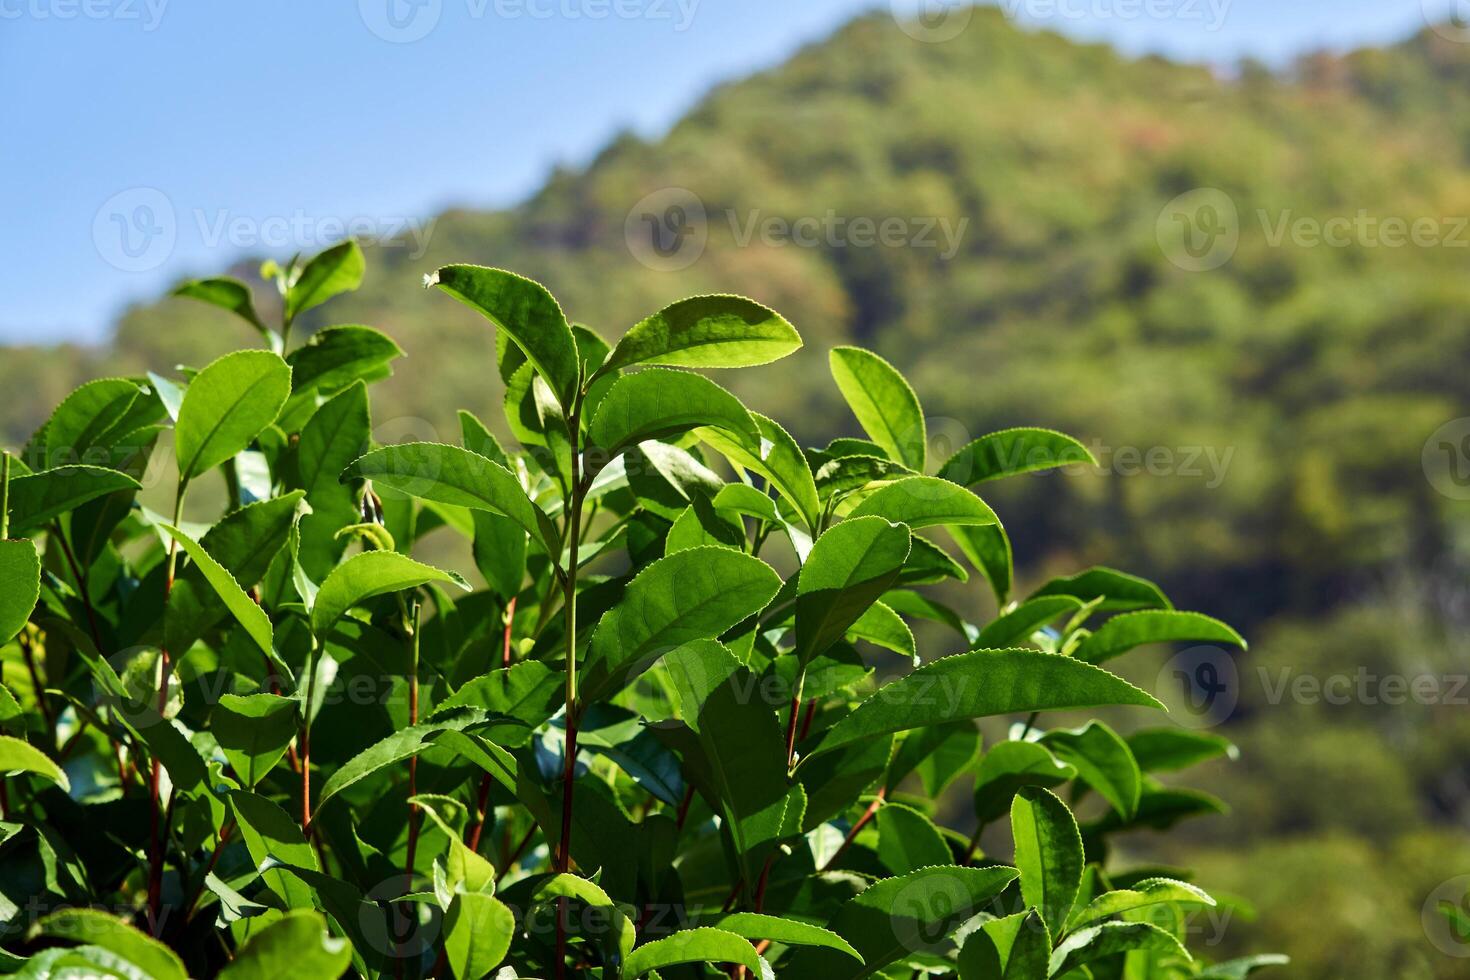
(150,139)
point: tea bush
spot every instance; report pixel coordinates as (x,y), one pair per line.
(278,744)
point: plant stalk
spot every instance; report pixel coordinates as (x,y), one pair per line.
(158,828)
(573,538)
(862,822)
(5,495)
(413,760)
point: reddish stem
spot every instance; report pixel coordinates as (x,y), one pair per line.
(806,722)
(684,807)
(791,729)
(852,834)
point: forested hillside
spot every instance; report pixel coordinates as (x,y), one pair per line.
(1265,418)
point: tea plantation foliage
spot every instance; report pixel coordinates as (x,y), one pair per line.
(272,742)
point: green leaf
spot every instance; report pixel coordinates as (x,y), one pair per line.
(370,574)
(245,543)
(336,357)
(938,754)
(296,944)
(85,422)
(1012,452)
(1122,633)
(98,929)
(226,406)
(1151,891)
(40,498)
(977,684)
(658,403)
(1104,762)
(926,501)
(1244,967)
(778,459)
(272,837)
(336,434)
(884,404)
(20,586)
(742,765)
(706,332)
(1118,590)
(699,945)
(477,933)
(451,475)
(1017,625)
(334,271)
(249,615)
(253,732)
(988,548)
(908,840)
(1160,808)
(1048,854)
(882,626)
(402,744)
(1016,947)
(529,691)
(788,932)
(526,312)
(1006,769)
(1172,749)
(19,756)
(900,917)
(849,567)
(232,295)
(690,595)
(1110,939)
(700,525)
(617,935)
